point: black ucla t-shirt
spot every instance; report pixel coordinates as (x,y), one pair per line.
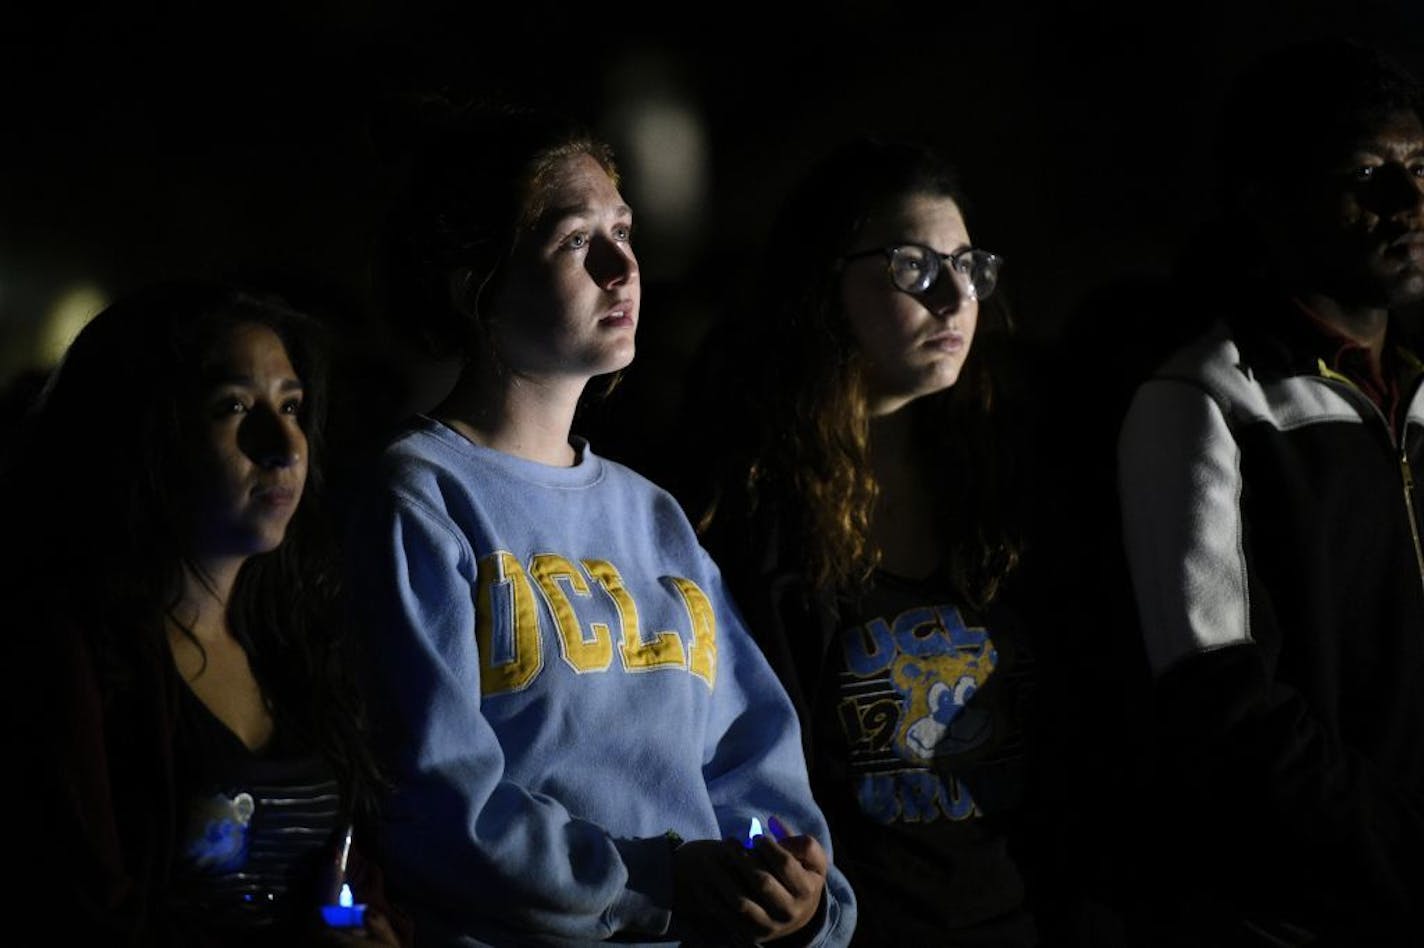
(919,764)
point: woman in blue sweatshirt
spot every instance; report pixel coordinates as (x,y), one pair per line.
(563,690)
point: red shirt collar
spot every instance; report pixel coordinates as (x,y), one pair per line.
(1355,361)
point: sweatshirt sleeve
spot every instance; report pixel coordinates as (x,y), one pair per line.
(1320,822)
(459,835)
(755,766)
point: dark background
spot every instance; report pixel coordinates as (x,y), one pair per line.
(141,142)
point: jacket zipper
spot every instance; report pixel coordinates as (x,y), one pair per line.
(1409,505)
(1405,472)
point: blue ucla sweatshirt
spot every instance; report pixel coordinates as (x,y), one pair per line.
(559,680)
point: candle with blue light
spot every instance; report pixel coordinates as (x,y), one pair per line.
(345,912)
(773,828)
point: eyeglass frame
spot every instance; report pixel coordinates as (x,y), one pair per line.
(888,252)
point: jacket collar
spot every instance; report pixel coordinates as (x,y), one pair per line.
(1278,337)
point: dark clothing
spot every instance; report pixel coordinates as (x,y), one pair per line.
(913,715)
(1271,526)
(921,753)
(260,828)
(114,754)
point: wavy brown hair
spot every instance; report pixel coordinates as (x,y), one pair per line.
(810,458)
(472,177)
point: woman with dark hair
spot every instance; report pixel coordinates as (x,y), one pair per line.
(564,692)
(199,764)
(869,529)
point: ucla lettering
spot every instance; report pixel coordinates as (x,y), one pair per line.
(703,660)
(506,625)
(583,653)
(924,631)
(913,796)
(509,634)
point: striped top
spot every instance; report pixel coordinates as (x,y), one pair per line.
(260,829)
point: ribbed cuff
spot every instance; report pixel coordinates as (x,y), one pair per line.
(646,902)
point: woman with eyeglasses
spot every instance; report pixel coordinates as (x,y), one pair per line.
(868,531)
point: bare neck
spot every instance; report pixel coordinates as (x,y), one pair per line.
(202,604)
(890,447)
(903,526)
(526,417)
(211,658)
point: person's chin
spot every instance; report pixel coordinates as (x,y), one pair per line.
(1405,287)
(265,534)
(618,359)
(942,377)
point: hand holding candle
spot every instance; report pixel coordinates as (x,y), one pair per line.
(756,884)
(341,911)
(774,828)
(792,881)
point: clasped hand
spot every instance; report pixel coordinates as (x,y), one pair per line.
(756,894)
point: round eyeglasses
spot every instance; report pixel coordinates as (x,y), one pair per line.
(914,268)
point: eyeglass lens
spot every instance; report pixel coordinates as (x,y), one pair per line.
(914,269)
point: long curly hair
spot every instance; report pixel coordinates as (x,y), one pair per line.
(102,525)
(811,455)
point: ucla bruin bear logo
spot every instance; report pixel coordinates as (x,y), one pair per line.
(938,721)
(907,700)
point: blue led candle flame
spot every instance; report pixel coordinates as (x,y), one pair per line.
(346,913)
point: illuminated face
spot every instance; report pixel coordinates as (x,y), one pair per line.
(568,307)
(911,344)
(1358,235)
(254,463)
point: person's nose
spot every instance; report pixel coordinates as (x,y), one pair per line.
(273,439)
(611,263)
(948,293)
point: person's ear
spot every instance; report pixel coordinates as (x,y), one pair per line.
(469,285)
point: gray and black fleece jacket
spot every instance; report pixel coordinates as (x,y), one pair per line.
(1271,525)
